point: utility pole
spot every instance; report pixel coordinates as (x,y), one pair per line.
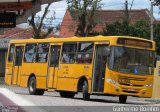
(151,25)
(126,9)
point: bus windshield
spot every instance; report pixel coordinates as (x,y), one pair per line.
(132,61)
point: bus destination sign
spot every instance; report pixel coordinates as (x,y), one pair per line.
(7,20)
(135,42)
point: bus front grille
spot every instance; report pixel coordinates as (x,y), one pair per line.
(130,91)
(127,90)
(135,85)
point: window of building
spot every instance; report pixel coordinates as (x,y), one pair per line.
(11,53)
(30,52)
(42,52)
(85,52)
(69,53)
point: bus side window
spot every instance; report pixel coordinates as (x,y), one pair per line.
(84,54)
(42,52)
(30,53)
(69,53)
(11,52)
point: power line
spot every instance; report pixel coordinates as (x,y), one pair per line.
(131,5)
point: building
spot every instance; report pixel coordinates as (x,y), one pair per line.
(68,26)
(10,34)
(25,9)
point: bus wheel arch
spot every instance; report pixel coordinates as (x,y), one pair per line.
(32,75)
(32,86)
(83,87)
(80,83)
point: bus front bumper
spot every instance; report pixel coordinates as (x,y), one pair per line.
(127,90)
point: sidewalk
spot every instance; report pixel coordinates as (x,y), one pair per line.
(13,101)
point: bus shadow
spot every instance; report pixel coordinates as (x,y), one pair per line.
(93,99)
(114,101)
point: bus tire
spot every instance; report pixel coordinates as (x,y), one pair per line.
(122,98)
(85,93)
(67,94)
(32,87)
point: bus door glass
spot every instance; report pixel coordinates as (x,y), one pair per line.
(18,56)
(100,60)
(53,65)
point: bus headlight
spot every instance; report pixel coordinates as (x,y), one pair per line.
(148,85)
(112,81)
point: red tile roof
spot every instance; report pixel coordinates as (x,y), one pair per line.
(19,33)
(68,26)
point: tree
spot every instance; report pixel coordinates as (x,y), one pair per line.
(157,38)
(84,12)
(155,2)
(139,29)
(117,28)
(37,25)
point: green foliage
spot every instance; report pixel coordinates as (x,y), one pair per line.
(157,37)
(84,12)
(139,29)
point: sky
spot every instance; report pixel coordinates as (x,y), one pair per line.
(60,7)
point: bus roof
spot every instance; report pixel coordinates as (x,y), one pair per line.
(95,38)
(112,39)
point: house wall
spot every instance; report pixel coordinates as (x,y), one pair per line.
(68,26)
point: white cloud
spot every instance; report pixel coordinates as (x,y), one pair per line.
(60,7)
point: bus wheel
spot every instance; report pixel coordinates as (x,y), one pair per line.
(67,94)
(32,87)
(122,98)
(85,93)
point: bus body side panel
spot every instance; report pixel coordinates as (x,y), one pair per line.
(37,69)
(69,75)
(8,73)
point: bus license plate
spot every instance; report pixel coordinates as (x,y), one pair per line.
(131,90)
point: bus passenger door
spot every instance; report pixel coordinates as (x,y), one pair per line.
(18,56)
(53,65)
(99,68)
(9,65)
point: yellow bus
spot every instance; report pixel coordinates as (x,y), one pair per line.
(102,65)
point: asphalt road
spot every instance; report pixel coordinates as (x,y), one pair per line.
(54,99)
(52,102)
